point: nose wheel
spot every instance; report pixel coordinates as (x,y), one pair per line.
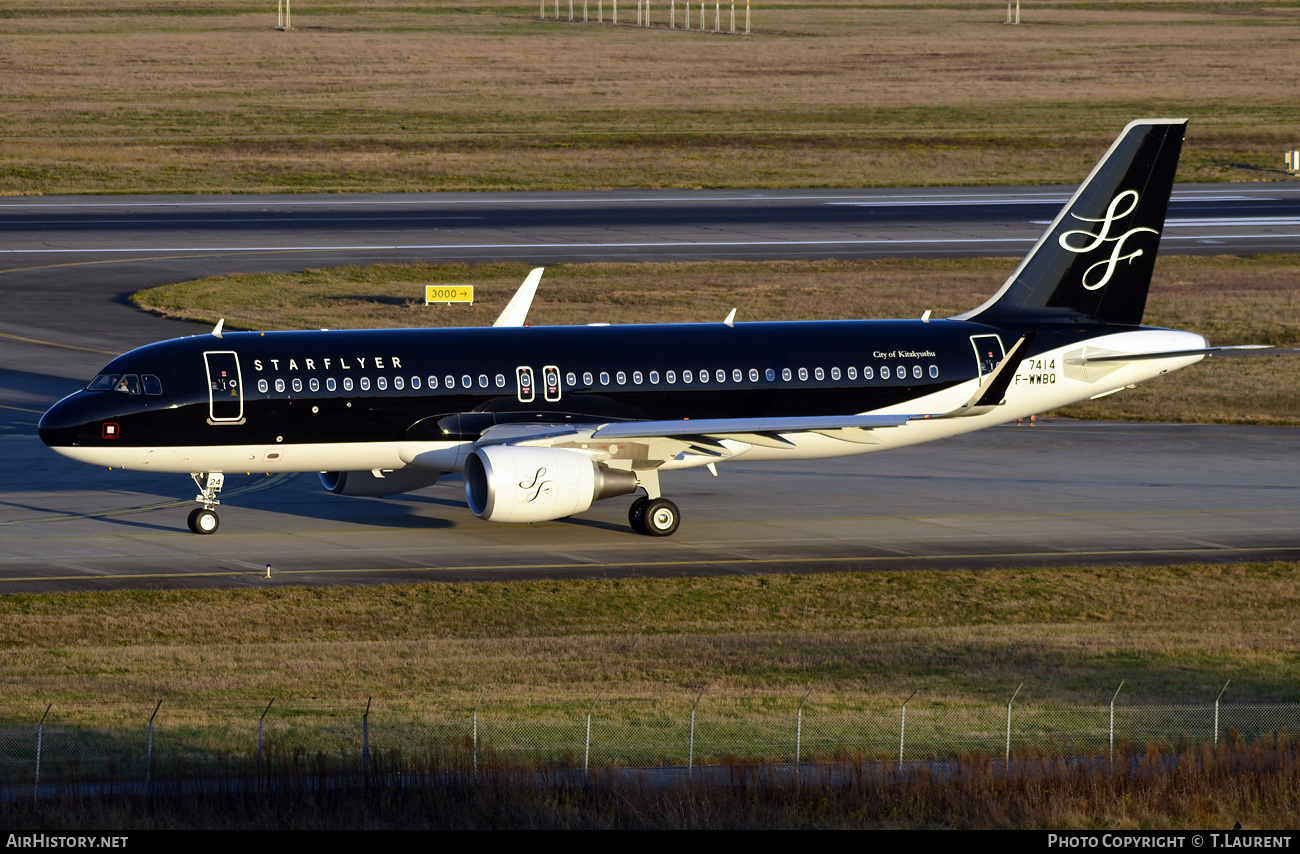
(654,517)
(204,521)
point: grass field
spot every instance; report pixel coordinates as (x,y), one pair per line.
(109,96)
(1230,300)
(1175,634)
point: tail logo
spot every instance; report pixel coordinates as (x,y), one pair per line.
(1105,268)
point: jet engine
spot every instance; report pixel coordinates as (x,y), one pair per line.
(506,483)
(367,483)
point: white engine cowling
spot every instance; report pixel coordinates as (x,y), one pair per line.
(507,483)
(365,482)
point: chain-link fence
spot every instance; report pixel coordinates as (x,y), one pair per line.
(70,744)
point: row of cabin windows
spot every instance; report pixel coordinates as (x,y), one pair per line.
(619,378)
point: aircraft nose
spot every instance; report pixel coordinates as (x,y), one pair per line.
(64,423)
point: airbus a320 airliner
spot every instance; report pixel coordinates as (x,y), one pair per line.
(542,421)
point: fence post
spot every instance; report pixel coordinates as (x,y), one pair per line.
(260,722)
(1112,721)
(798,731)
(717,16)
(365,738)
(476,705)
(615,22)
(542,11)
(148,762)
(733,15)
(902,727)
(690,752)
(746,17)
(1009,702)
(1216,713)
(40,734)
(586,754)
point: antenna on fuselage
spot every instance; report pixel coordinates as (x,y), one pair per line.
(516,311)
(216,330)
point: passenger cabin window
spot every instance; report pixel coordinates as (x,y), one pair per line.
(720,375)
(347,383)
(934,372)
(279,386)
(415,382)
(803,374)
(786,375)
(621,377)
(604,377)
(654,377)
(449,381)
(820,374)
(330,385)
(853,373)
(670,377)
(867,373)
(636,378)
(884,372)
(314,384)
(381,383)
(835,373)
(263,386)
(365,383)
(586,378)
(687,377)
(571,378)
(433,382)
(398,383)
(297,384)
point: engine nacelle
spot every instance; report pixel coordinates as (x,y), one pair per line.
(365,482)
(506,483)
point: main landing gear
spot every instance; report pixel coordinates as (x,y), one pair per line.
(204,520)
(651,514)
(655,517)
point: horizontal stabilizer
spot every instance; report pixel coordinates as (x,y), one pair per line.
(1231,350)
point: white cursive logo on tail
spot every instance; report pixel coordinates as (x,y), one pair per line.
(1103,236)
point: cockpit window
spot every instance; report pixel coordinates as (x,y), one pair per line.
(126,383)
(103,382)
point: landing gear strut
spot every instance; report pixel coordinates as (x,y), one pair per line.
(204,520)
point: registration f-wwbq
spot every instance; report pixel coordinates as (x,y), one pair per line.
(543,421)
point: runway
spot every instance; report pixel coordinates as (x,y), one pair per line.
(1052,494)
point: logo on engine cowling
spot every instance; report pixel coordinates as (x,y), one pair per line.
(537,486)
(1103,235)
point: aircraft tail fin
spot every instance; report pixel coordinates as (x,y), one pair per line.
(1094,262)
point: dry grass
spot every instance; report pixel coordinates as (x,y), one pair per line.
(102,96)
(1190,790)
(1176,634)
(1228,299)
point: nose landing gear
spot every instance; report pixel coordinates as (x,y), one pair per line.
(204,520)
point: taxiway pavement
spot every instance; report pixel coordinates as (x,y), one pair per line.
(1054,493)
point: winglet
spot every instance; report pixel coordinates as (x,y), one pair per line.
(216,330)
(991,392)
(731,319)
(516,311)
